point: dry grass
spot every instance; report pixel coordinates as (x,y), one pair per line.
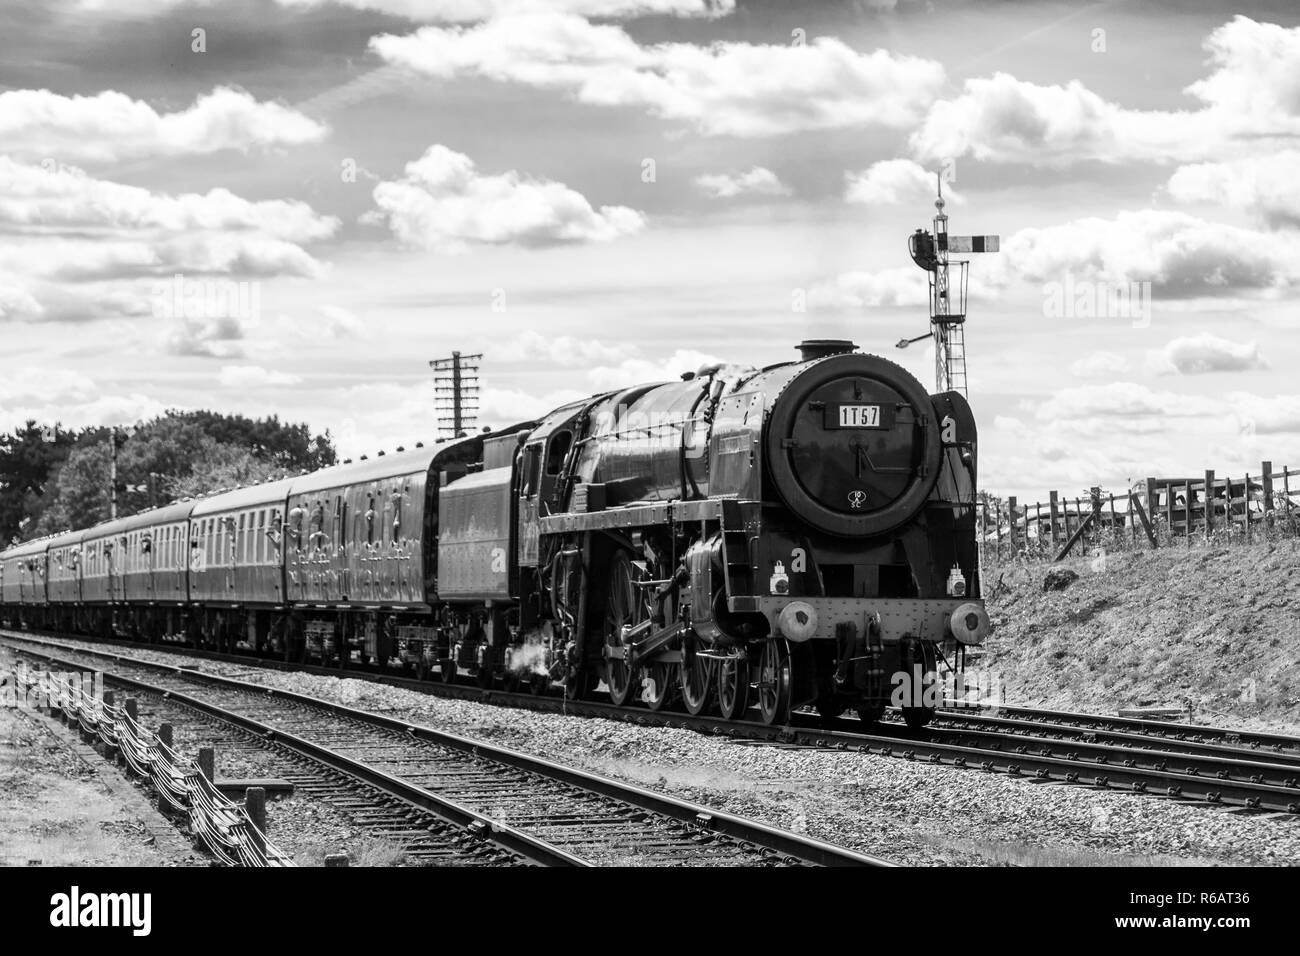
(367,852)
(53,813)
(1210,626)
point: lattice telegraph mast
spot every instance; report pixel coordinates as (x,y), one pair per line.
(455,393)
(947,304)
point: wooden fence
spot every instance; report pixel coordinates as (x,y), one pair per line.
(1154,512)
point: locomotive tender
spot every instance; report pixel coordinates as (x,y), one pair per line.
(801,534)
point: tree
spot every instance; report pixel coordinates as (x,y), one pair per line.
(178,454)
(28,459)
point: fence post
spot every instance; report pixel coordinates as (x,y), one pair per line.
(1011,522)
(1187,511)
(997,530)
(1245,505)
(1209,502)
(1266,479)
(208,763)
(255,807)
(1053,504)
(1115,535)
(1094,500)
(1286,494)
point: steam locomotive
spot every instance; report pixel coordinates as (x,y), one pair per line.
(803,534)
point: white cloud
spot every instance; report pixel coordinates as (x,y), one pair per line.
(253,376)
(565,350)
(1180,255)
(893,181)
(1123,400)
(1267,415)
(16,302)
(51,395)
(443,204)
(41,198)
(111,126)
(1196,355)
(856,290)
(1253,91)
(385,415)
(1098,365)
(80,260)
(472,11)
(220,336)
(737,89)
(1265,186)
(71,244)
(636,371)
(758,181)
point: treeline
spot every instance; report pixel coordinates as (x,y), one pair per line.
(55,479)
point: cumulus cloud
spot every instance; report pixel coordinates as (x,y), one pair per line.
(472,11)
(444,203)
(1179,254)
(1253,91)
(1267,415)
(16,302)
(221,336)
(563,350)
(61,228)
(1098,365)
(758,181)
(1265,186)
(254,376)
(80,260)
(111,126)
(1199,354)
(634,371)
(71,398)
(737,89)
(887,287)
(41,198)
(385,415)
(1123,400)
(893,181)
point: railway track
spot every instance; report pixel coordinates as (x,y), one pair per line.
(1214,765)
(536,810)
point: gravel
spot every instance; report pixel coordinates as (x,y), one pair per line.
(916,814)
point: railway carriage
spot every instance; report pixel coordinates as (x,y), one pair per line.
(803,534)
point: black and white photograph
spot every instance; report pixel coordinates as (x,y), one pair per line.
(650,434)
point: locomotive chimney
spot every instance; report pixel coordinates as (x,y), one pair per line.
(810,349)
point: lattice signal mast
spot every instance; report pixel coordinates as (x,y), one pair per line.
(455,393)
(947,303)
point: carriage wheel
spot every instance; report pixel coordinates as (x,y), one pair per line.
(697,680)
(622,606)
(774,681)
(871,713)
(733,687)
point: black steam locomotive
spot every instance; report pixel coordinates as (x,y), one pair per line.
(801,534)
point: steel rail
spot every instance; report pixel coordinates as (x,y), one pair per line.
(791,845)
(1259,783)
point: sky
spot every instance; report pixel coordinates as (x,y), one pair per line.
(292,206)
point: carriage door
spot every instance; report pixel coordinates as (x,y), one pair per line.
(530,470)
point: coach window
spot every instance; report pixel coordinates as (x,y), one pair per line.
(558,451)
(370,521)
(532,464)
(398,497)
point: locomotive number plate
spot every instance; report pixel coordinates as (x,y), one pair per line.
(858,416)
